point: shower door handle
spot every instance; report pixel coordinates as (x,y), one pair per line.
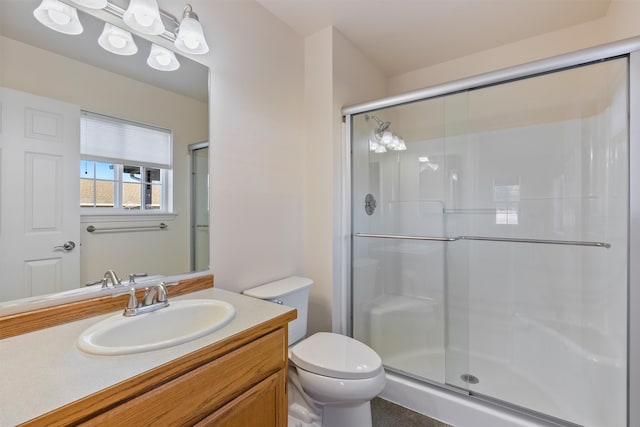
(487,239)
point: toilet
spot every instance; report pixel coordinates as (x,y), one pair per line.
(332,377)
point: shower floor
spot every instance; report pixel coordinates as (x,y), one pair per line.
(424,364)
(496,379)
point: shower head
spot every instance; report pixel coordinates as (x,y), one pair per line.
(383,139)
(382,126)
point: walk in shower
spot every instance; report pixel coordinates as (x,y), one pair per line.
(490,238)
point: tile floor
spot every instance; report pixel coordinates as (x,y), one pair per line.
(387,414)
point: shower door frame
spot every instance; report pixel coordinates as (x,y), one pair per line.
(193,205)
(630,47)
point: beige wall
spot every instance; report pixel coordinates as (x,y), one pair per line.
(30,69)
(621,22)
(319,203)
(336,74)
(257,142)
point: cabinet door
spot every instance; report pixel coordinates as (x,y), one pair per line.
(193,396)
(258,407)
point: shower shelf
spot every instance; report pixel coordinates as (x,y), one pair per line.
(486,239)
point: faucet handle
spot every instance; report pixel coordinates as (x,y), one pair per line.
(93,282)
(132,277)
(149,296)
(162,292)
(133,301)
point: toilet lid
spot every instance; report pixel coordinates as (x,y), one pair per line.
(336,356)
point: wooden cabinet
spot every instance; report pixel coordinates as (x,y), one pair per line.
(238,382)
(257,407)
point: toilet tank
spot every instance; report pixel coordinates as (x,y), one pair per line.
(292,292)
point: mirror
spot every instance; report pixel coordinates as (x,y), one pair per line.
(49,68)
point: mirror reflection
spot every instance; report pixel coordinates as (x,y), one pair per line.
(90,140)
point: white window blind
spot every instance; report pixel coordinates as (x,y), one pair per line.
(120,141)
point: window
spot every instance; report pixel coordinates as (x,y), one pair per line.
(506,195)
(124,166)
(132,188)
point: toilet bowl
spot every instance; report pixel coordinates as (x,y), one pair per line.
(332,377)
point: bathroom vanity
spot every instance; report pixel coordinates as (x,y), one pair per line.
(233,376)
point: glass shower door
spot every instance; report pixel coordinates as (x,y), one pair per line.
(541,188)
(199,206)
(399,298)
(490,255)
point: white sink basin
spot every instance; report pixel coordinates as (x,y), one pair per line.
(178,323)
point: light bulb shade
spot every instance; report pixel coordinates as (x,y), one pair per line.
(92,4)
(162,59)
(380,149)
(144,17)
(395,143)
(58,16)
(190,37)
(387,137)
(402,146)
(116,40)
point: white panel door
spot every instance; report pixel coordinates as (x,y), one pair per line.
(39,195)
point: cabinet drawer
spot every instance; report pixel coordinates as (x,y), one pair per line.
(198,393)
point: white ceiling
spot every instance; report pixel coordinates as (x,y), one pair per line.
(405,35)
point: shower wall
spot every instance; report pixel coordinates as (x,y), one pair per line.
(537,325)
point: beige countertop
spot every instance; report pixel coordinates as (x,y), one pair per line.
(43,370)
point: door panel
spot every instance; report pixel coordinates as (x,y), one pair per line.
(39,197)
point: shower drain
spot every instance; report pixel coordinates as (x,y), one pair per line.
(468,378)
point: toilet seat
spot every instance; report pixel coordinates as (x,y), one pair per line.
(327,390)
(336,356)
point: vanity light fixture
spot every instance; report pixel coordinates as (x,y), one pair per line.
(116,40)
(144,17)
(92,4)
(190,38)
(162,59)
(59,17)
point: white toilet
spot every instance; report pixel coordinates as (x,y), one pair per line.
(332,378)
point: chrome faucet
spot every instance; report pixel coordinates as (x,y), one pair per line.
(154,295)
(110,276)
(154,299)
